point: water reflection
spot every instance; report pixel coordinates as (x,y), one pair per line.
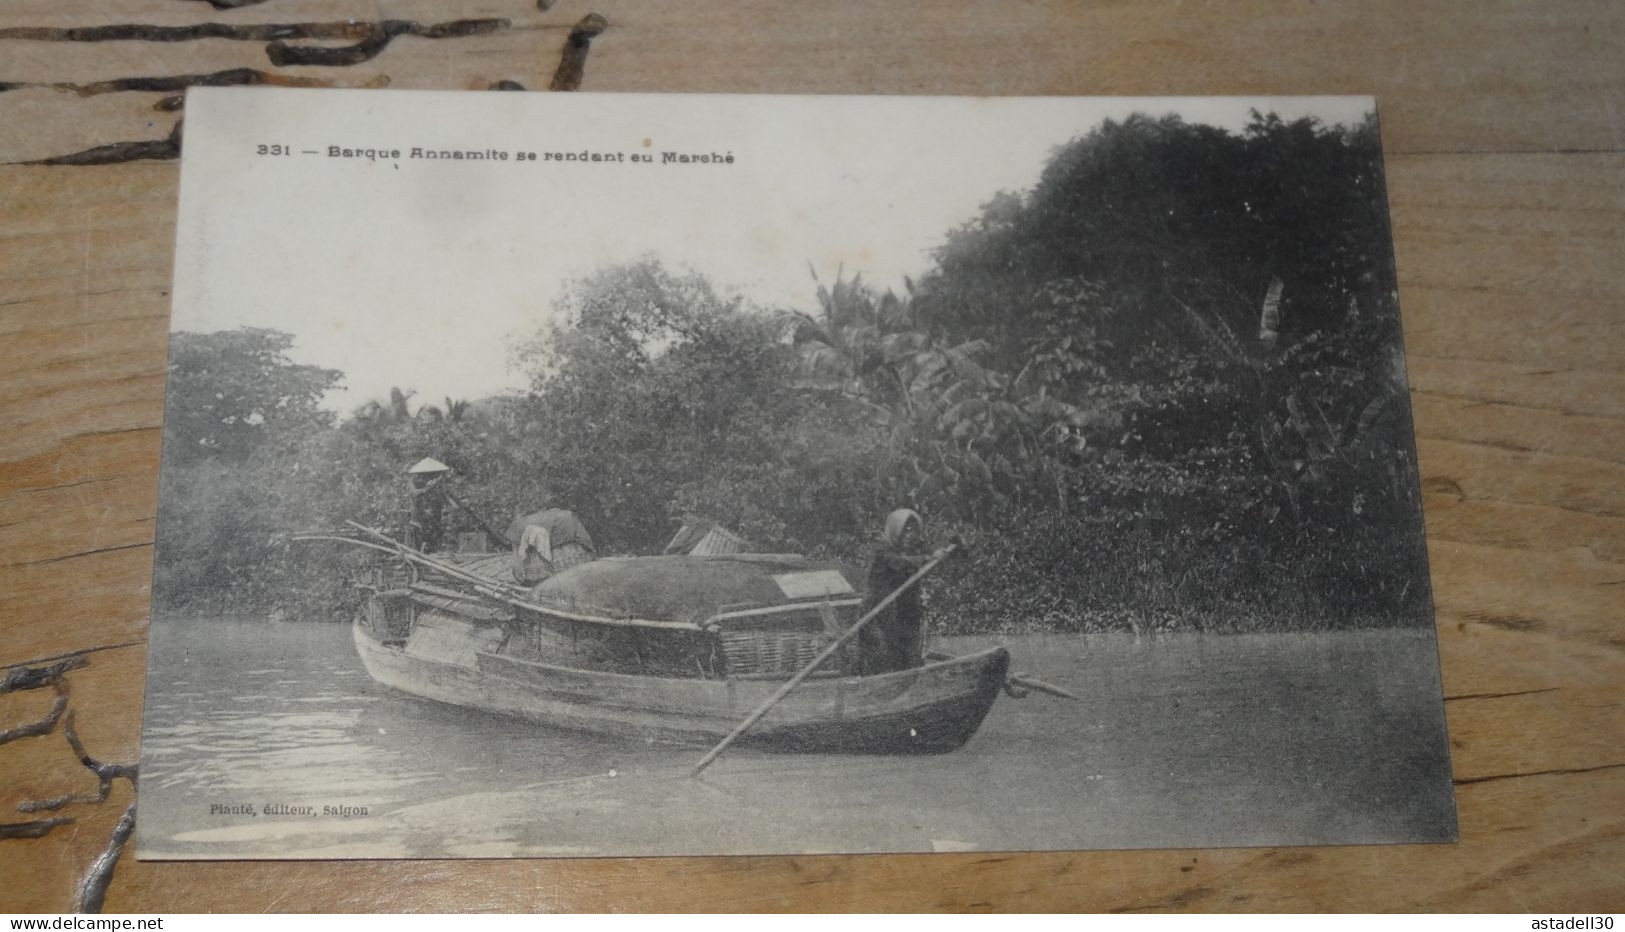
(1189,740)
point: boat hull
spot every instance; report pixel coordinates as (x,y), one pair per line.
(930,709)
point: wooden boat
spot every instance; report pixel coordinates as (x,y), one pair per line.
(690,646)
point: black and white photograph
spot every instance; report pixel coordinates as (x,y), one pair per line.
(620,474)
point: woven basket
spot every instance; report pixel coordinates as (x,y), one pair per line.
(749,652)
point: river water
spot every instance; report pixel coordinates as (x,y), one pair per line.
(269,740)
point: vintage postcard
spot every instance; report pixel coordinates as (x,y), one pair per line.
(556,475)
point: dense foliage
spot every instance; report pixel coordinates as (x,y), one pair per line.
(1162,388)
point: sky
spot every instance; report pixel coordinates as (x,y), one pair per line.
(422,273)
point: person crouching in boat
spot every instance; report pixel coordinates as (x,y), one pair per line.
(546,542)
(895,639)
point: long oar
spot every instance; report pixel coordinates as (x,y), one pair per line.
(818,661)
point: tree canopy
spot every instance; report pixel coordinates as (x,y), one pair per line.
(1160,387)
(228,392)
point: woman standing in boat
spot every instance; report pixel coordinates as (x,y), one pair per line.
(895,639)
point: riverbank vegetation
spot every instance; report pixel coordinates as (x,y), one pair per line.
(1162,388)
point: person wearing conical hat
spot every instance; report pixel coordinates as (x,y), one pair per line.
(428,466)
(427,525)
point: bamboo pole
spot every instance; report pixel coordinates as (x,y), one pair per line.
(421,557)
(489,587)
(345,540)
(401,550)
(818,661)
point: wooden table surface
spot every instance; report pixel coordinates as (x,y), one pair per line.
(1506,168)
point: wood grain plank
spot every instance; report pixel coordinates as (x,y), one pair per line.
(1557,98)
